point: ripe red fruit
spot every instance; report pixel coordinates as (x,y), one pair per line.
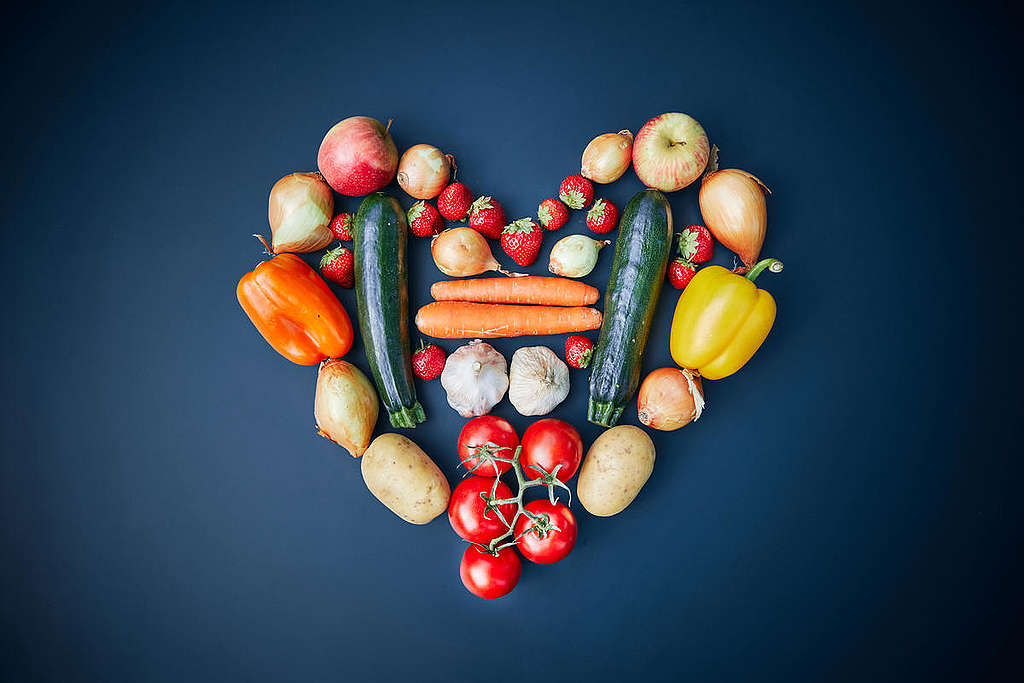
(521,240)
(428,361)
(490,576)
(454,201)
(341,226)
(680,272)
(696,244)
(424,220)
(603,216)
(576,191)
(487,217)
(552,214)
(338,266)
(578,350)
(550,535)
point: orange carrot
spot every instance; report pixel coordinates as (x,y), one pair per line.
(463,320)
(530,289)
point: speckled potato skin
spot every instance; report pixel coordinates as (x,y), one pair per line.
(404,478)
(618,464)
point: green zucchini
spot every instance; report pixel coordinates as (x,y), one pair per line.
(638,271)
(380,233)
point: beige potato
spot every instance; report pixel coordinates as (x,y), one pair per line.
(617,466)
(404,478)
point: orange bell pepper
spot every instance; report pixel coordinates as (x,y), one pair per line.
(295,310)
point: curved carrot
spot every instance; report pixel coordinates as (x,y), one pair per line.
(529,289)
(464,320)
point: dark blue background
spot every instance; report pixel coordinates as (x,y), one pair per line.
(845,510)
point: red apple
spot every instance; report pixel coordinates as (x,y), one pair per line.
(670,152)
(358,156)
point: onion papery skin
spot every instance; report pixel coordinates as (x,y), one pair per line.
(670,398)
(607,157)
(462,252)
(300,210)
(423,171)
(732,203)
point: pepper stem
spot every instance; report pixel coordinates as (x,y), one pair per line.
(772,264)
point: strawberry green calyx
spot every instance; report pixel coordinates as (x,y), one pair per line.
(573,199)
(331,255)
(688,244)
(481,203)
(597,210)
(543,215)
(415,210)
(525,225)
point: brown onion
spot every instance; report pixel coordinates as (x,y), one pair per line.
(345,406)
(461,252)
(733,206)
(607,157)
(424,170)
(670,398)
(301,208)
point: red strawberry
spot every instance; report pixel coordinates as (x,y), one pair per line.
(338,265)
(695,244)
(578,350)
(454,201)
(680,272)
(341,226)
(487,217)
(424,220)
(428,361)
(552,213)
(576,191)
(521,240)
(603,216)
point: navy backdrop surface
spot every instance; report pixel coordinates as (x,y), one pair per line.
(843,511)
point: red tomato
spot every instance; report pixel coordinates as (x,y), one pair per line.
(553,545)
(487,430)
(548,443)
(466,510)
(490,576)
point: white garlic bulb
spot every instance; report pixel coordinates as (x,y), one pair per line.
(538,380)
(475,377)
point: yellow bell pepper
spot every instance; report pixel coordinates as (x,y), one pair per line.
(721,319)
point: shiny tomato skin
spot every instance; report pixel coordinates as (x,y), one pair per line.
(483,430)
(489,576)
(548,443)
(466,510)
(556,544)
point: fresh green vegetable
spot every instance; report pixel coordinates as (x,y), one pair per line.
(382,301)
(638,269)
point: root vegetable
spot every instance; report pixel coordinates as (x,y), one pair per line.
(538,380)
(300,211)
(462,252)
(462,320)
(670,398)
(345,406)
(575,255)
(475,377)
(607,157)
(424,170)
(733,206)
(530,289)
(617,466)
(404,478)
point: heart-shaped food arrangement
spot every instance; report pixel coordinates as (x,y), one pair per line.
(721,319)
